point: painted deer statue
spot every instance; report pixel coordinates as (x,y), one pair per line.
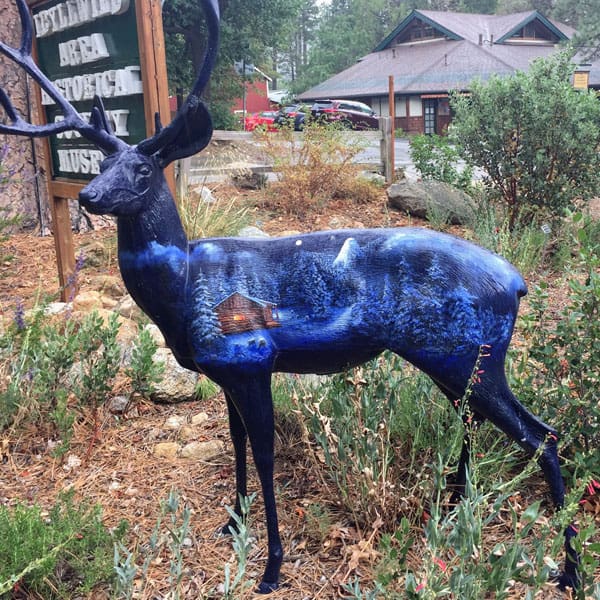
(239,309)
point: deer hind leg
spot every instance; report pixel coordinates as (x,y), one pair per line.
(469,421)
(239,438)
(503,409)
(251,397)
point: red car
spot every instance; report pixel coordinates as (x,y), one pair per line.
(350,114)
(264,119)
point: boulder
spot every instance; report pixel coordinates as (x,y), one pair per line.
(432,200)
(129,309)
(203,450)
(176,384)
(166,449)
(249,180)
(250,231)
(109,285)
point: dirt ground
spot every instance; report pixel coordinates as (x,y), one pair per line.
(119,470)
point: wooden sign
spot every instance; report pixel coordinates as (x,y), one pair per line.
(86,48)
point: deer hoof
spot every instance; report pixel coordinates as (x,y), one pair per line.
(266,588)
(566,580)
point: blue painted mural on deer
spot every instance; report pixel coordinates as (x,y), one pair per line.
(239,309)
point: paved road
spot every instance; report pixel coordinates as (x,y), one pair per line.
(203,171)
(401,156)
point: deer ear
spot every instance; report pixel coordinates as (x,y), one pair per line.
(98,118)
(188,133)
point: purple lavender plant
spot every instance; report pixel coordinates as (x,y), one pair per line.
(73,278)
(19,316)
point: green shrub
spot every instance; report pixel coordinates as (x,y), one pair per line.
(362,427)
(560,374)
(535,137)
(143,372)
(55,555)
(436,158)
(531,246)
(43,362)
(168,537)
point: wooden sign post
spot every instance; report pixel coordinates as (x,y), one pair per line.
(87,48)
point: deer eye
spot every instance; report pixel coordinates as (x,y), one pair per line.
(144,170)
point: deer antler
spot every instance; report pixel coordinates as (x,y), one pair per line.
(97,132)
(191,129)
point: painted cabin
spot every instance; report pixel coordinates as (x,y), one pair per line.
(239,313)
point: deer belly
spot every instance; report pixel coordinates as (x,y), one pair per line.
(322,361)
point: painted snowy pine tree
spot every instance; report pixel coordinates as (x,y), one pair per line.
(204,323)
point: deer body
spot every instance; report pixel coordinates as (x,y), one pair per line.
(239,309)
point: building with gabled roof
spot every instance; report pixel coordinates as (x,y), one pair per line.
(432,52)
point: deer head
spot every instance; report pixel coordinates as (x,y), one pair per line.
(130,175)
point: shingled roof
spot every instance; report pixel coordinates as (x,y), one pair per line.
(461,47)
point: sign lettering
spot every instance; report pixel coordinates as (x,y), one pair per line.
(87,49)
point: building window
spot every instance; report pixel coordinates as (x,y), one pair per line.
(534,31)
(416,107)
(418,31)
(401,106)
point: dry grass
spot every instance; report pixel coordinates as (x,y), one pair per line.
(122,474)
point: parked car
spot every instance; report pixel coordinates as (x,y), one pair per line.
(264,119)
(348,113)
(294,114)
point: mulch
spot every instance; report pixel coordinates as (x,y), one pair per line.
(115,465)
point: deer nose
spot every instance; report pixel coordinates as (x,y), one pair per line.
(87,195)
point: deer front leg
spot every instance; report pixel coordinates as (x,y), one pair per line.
(239,438)
(252,398)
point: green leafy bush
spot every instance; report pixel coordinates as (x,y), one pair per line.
(535,137)
(45,364)
(561,371)
(435,157)
(143,372)
(55,555)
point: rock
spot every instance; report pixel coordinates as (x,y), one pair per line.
(374,178)
(252,232)
(249,180)
(128,332)
(199,419)
(187,433)
(117,404)
(129,309)
(432,200)
(203,450)
(95,253)
(205,194)
(57,308)
(177,384)
(87,301)
(156,334)
(109,285)
(166,449)
(175,422)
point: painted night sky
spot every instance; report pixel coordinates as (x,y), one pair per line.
(324,301)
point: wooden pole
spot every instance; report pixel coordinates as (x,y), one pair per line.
(392,105)
(154,80)
(64,247)
(154,66)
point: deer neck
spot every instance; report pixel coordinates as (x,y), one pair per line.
(153,259)
(158,225)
